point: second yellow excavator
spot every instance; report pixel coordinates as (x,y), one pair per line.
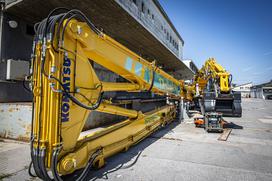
(213,92)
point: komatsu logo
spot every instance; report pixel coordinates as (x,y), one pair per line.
(65,107)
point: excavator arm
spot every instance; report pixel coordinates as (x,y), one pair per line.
(67,90)
(211,70)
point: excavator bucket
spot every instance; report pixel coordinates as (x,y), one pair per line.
(228,104)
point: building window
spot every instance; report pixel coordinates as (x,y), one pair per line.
(135,2)
(167,36)
(152,16)
(143,7)
(170,39)
(148,11)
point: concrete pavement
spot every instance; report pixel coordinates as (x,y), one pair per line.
(180,152)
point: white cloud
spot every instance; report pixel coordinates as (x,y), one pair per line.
(247,69)
(257,73)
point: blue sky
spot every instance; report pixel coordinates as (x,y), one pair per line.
(238,33)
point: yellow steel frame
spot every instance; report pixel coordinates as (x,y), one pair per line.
(211,69)
(58,121)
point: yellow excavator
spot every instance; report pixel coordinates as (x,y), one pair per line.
(212,85)
(66,90)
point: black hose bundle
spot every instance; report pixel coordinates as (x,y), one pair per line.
(83,174)
(52,29)
(46,29)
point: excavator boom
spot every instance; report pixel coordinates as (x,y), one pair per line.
(67,90)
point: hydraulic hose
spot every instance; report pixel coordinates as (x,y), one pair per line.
(66,23)
(80,14)
(42,165)
(76,101)
(35,152)
(32,112)
(52,30)
(36,165)
(29,170)
(84,172)
(153,79)
(54,162)
(49,15)
(152,82)
(42,30)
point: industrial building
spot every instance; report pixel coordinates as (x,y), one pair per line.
(244,89)
(142,26)
(262,91)
(191,65)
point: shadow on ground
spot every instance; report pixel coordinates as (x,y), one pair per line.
(124,160)
(233,126)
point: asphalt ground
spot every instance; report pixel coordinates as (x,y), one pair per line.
(179,152)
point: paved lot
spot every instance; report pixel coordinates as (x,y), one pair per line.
(180,152)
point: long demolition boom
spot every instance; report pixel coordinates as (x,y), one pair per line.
(66,90)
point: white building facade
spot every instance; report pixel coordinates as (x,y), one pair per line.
(244,89)
(262,91)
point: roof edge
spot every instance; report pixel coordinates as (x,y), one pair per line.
(157,3)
